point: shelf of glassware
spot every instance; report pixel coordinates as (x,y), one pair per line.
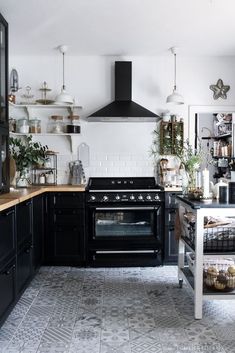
(70,136)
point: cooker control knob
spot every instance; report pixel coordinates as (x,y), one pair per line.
(132,197)
(105,198)
(149,197)
(157,197)
(140,197)
(92,198)
(117,197)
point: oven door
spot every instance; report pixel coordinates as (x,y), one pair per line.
(128,224)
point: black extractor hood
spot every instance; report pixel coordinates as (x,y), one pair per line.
(123,108)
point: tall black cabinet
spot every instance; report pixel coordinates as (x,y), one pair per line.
(4,131)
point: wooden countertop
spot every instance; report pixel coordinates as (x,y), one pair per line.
(16,196)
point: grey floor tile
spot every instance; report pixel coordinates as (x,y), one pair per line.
(114,310)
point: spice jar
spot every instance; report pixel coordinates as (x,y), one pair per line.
(57,125)
(23,126)
(35,126)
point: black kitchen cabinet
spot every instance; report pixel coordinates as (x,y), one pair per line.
(24,222)
(24,244)
(24,266)
(38,231)
(7,289)
(65,224)
(7,235)
(7,262)
(171,244)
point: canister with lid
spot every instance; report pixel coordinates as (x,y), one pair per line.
(23,126)
(56,126)
(74,127)
(35,126)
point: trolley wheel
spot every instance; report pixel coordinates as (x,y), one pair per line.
(180,283)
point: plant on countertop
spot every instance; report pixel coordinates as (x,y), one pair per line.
(27,153)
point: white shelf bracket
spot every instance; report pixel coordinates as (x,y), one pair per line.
(72,140)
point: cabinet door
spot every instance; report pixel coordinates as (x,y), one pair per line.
(3,72)
(38,230)
(65,230)
(24,222)
(23,267)
(7,285)
(7,234)
(171,246)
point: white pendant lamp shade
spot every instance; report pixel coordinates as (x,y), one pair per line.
(175,98)
(64,97)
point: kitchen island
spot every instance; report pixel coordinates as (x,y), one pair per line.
(198,221)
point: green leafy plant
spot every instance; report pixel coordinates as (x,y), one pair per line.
(27,153)
(190,158)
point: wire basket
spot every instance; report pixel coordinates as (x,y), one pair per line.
(219,275)
(217,236)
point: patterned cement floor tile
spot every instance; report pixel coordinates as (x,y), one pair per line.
(84,348)
(114,334)
(118,347)
(115,310)
(48,347)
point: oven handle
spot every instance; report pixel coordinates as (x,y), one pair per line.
(124,208)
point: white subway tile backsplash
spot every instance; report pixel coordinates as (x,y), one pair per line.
(108,165)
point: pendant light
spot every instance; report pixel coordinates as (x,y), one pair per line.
(175,97)
(63,97)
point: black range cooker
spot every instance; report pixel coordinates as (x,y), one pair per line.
(124,221)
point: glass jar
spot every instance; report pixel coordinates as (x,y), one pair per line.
(12,125)
(23,126)
(56,126)
(35,126)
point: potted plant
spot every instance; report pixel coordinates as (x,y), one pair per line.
(26,155)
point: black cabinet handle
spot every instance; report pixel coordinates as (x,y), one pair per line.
(9,270)
(8,213)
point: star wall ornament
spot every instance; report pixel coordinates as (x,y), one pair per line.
(220,90)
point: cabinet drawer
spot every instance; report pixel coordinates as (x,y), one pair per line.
(67,200)
(24,221)
(68,216)
(7,234)
(23,267)
(7,285)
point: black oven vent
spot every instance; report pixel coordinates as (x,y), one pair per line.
(123,108)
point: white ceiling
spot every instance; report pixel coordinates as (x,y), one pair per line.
(121,27)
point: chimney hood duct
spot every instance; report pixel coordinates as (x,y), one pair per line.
(123,108)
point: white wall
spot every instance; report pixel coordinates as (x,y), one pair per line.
(122,148)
